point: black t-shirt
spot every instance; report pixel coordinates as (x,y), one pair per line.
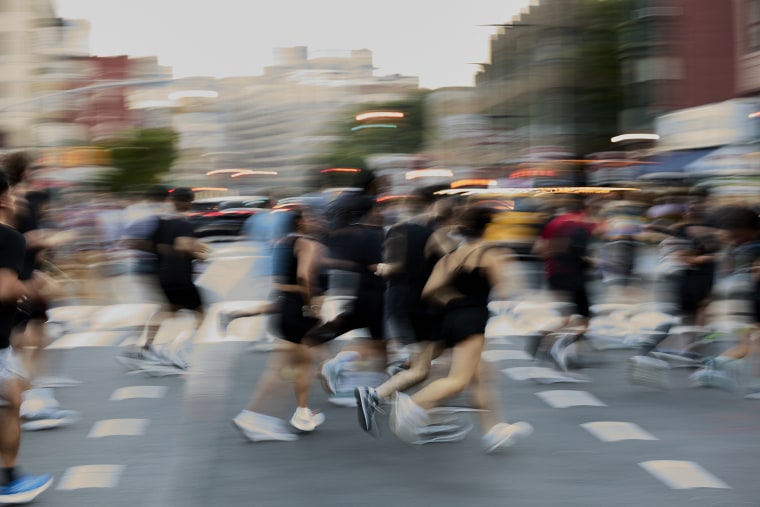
(29,220)
(12,247)
(362,245)
(405,245)
(174,267)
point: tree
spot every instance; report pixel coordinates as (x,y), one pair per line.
(358,139)
(141,158)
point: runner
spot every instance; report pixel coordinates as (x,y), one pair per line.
(295,304)
(14,487)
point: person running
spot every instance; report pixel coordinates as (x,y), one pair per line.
(295,309)
(14,486)
(355,252)
(461,283)
(738,278)
(40,410)
(176,248)
(563,244)
(411,321)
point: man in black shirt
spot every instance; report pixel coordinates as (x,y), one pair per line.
(14,488)
(176,247)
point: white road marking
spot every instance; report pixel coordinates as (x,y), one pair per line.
(127,393)
(493,356)
(118,427)
(91,476)
(540,373)
(683,474)
(88,339)
(569,398)
(613,431)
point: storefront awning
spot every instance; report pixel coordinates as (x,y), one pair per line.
(672,162)
(726,161)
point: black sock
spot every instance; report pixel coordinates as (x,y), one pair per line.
(9,475)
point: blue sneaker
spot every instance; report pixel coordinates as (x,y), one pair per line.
(25,489)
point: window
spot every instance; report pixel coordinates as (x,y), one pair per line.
(752,25)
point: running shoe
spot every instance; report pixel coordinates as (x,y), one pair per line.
(505,435)
(331,369)
(48,419)
(305,420)
(723,375)
(447,424)
(649,372)
(408,420)
(367,403)
(24,489)
(560,349)
(260,428)
(138,357)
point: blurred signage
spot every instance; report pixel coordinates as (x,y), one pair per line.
(74,157)
(728,122)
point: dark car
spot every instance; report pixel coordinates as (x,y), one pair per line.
(223,217)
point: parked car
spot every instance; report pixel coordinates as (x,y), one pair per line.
(222,218)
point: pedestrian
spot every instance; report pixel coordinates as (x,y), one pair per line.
(411,321)
(295,310)
(737,278)
(176,247)
(14,486)
(563,244)
(354,253)
(462,283)
(40,410)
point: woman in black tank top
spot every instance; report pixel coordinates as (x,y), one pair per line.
(461,282)
(296,265)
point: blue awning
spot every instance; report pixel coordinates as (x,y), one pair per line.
(672,161)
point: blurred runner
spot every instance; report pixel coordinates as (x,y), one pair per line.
(14,486)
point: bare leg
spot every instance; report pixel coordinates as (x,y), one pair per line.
(464,363)
(271,379)
(10,422)
(302,365)
(417,372)
(485,397)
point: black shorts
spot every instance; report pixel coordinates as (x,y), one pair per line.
(461,323)
(575,287)
(182,296)
(409,320)
(289,323)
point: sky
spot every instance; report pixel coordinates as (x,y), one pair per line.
(437,40)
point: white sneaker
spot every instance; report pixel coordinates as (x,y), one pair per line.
(305,420)
(648,371)
(504,435)
(259,427)
(49,419)
(408,420)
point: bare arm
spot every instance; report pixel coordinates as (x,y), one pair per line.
(437,288)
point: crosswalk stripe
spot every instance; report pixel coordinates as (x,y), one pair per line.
(127,393)
(91,476)
(570,398)
(118,428)
(683,474)
(88,339)
(493,356)
(614,431)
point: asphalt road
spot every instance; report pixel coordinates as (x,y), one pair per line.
(169,442)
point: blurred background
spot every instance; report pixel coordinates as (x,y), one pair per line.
(655,95)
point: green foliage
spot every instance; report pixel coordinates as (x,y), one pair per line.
(600,71)
(357,140)
(141,158)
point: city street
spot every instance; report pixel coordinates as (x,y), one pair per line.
(169,441)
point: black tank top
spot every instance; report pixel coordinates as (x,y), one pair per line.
(474,285)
